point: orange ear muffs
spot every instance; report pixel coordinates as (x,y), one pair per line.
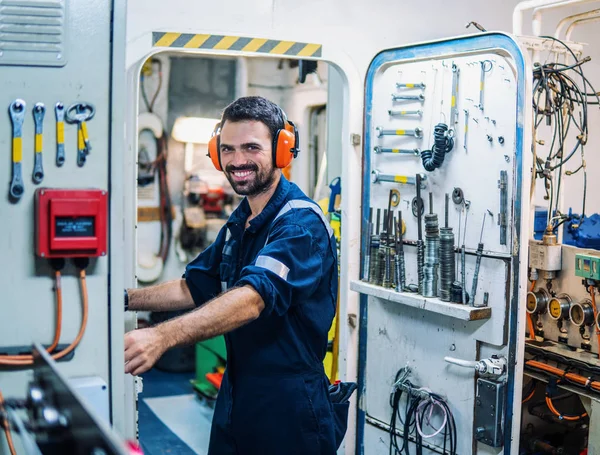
(213,149)
(285,147)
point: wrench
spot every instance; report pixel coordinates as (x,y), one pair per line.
(59,110)
(83,113)
(17,115)
(38,117)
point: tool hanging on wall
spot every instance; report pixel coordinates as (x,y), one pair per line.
(432,249)
(377,177)
(443,143)
(399,257)
(395,197)
(417,132)
(453,106)
(420,243)
(447,264)
(484,69)
(414,152)
(81,113)
(392,112)
(38,168)
(17,116)
(397,98)
(420,85)
(477,262)
(503,215)
(463,250)
(367,259)
(59,111)
(466,128)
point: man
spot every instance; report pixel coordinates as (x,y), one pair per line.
(276,259)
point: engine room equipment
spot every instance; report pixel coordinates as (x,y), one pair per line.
(432,251)
(416,132)
(546,256)
(38,168)
(587,266)
(58,420)
(17,115)
(489,412)
(581,313)
(71,223)
(537,301)
(479,254)
(420,85)
(59,112)
(559,307)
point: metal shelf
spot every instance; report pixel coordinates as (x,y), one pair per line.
(453,310)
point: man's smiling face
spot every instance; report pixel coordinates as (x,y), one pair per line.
(246,156)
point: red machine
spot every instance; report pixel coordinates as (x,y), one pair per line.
(71,223)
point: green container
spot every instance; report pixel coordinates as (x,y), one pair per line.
(210,355)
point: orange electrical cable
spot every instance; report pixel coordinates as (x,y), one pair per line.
(562,416)
(529,319)
(27,360)
(558,372)
(9,440)
(529,397)
(58,329)
(593,294)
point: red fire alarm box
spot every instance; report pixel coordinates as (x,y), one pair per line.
(71,223)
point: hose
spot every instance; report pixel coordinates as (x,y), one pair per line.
(580,380)
(442,144)
(529,319)
(5,424)
(592,290)
(562,416)
(27,360)
(461,362)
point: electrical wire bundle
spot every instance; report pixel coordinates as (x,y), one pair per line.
(160,165)
(442,144)
(413,426)
(564,106)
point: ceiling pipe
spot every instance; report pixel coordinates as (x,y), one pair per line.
(538,6)
(579,22)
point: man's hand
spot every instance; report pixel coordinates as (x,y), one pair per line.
(143,347)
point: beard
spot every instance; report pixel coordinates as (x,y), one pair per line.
(258,182)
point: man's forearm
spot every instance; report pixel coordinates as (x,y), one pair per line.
(169,296)
(221,315)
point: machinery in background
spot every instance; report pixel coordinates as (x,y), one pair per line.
(54,420)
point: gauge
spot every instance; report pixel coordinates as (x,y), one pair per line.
(582,313)
(537,301)
(559,307)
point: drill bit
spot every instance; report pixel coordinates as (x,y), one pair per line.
(478,262)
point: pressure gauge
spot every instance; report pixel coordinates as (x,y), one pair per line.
(558,307)
(537,301)
(582,313)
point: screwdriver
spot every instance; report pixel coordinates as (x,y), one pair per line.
(478,262)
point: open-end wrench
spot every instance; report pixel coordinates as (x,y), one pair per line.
(38,117)
(17,115)
(59,110)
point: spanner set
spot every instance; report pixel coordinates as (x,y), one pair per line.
(78,113)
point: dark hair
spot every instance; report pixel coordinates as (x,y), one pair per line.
(255,108)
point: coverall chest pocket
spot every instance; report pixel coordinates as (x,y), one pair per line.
(227,266)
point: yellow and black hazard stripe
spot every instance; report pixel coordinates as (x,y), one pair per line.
(235,43)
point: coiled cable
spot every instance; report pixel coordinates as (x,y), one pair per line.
(442,144)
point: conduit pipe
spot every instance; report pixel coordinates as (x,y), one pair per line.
(538,6)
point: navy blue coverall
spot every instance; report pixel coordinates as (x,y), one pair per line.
(274,395)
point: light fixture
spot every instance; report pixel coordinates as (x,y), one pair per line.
(192,130)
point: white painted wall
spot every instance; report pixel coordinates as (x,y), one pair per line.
(352,32)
